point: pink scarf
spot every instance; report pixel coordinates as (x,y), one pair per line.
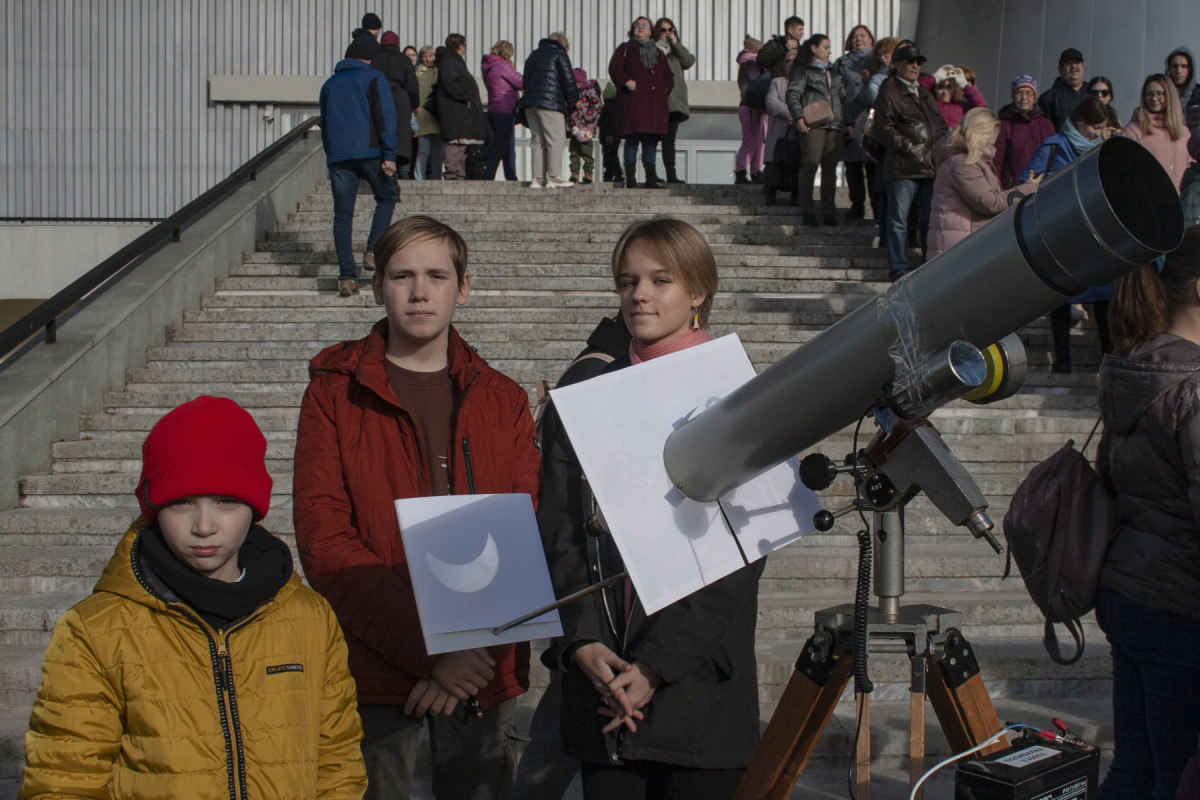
(639,351)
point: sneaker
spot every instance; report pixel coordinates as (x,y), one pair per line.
(554,182)
(536,183)
(347,287)
(368,262)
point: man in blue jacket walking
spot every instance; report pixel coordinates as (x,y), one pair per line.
(358,131)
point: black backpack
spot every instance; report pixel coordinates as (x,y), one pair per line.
(755,94)
(1059,528)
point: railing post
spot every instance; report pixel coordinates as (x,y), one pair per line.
(52,331)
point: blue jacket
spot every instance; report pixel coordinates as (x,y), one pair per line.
(549,82)
(1063,156)
(358,117)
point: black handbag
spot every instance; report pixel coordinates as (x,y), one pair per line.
(431,105)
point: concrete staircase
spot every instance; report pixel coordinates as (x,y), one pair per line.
(539,262)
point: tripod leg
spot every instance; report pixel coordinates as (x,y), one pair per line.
(916,723)
(801,715)
(862,754)
(960,699)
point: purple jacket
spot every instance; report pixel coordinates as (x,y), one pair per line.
(503,82)
(1020,135)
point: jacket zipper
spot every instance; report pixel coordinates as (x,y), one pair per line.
(466,450)
(222,669)
(451,488)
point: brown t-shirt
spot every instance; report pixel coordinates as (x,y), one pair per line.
(428,397)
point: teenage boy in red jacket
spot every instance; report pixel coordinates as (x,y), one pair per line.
(411,411)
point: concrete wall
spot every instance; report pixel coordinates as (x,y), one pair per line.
(44,392)
(38,260)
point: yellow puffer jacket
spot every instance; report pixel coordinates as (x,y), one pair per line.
(135,701)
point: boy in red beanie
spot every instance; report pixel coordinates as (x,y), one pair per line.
(201,666)
(411,411)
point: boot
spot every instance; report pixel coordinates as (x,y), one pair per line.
(758,177)
(631,176)
(617,178)
(672,176)
(574,177)
(739,177)
(651,177)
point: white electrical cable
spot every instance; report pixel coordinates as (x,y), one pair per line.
(991,740)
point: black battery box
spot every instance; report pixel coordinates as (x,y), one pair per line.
(1032,769)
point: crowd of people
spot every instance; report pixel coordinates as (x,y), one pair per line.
(644,105)
(202,666)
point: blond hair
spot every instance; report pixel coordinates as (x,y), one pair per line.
(504,49)
(677,246)
(1172,113)
(978,129)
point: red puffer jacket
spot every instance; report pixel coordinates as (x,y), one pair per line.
(356,452)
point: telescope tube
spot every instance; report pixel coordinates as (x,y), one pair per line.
(1104,215)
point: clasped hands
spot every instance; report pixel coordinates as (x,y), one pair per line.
(456,676)
(625,689)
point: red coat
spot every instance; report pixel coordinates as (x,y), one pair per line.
(356,452)
(645,109)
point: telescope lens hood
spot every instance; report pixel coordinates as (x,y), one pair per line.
(1098,218)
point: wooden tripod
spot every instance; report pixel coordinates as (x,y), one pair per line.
(943,667)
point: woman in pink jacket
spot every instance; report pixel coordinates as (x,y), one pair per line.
(1157,125)
(967,191)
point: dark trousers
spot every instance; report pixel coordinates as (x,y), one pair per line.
(1156,705)
(473,759)
(860,183)
(610,150)
(668,143)
(343,179)
(1060,327)
(649,143)
(545,772)
(822,148)
(651,780)
(503,149)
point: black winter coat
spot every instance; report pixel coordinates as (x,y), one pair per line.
(1059,101)
(1152,461)
(549,81)
(909,127)
(460,109)
(705,712)
(402,79)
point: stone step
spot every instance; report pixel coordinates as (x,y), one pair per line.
(548,286)
(593,250)
(313,236)
(604,227)
(807,312)
(561,271)
(593,304)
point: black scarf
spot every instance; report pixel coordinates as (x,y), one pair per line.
(266,560)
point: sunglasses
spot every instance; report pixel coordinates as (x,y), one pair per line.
(641,24)
(1100,92)
(666,30)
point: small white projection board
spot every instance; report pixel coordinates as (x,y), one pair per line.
(476,562)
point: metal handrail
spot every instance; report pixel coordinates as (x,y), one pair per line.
(101,277)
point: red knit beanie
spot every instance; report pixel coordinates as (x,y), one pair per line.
(208,446)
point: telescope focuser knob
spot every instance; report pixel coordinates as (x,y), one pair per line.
(817,472)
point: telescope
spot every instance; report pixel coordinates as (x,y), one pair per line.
(1109,212)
